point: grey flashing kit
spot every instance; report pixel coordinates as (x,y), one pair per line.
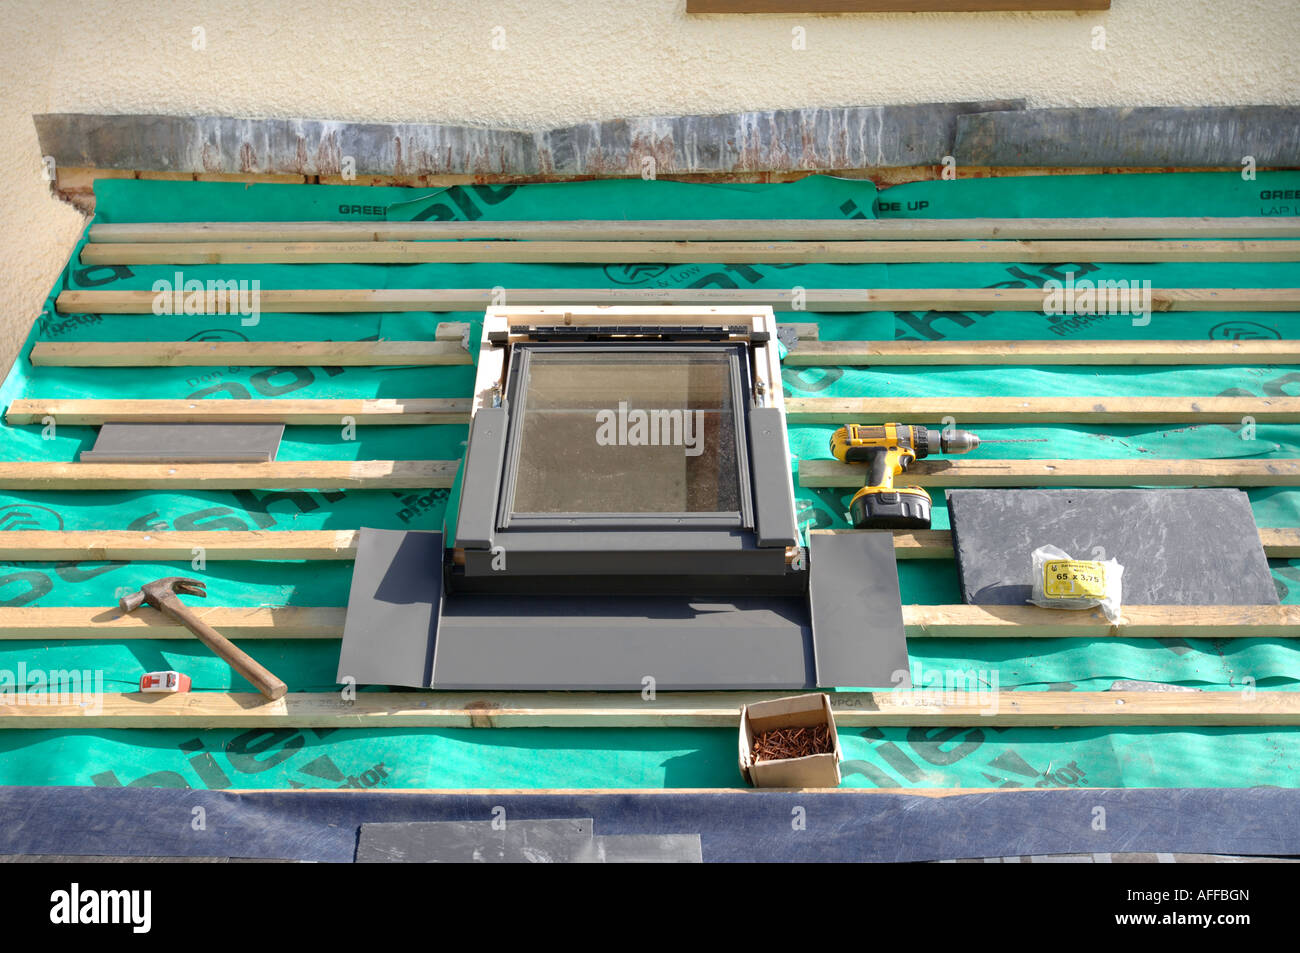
(626,514)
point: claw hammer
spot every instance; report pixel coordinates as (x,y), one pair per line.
(161,594)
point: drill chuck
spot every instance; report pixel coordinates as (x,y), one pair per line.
(957,441)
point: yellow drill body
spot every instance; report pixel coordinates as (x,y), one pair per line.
(888,450)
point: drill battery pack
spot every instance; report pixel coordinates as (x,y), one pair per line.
(901,508)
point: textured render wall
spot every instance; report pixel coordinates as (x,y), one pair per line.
(572,60)
(36,230)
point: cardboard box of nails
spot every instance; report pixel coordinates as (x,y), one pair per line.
(790,743)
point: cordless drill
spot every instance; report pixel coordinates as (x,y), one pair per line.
(889,450)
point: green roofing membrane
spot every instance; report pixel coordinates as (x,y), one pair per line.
(603,757)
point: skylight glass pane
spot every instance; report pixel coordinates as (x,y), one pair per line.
(636,432)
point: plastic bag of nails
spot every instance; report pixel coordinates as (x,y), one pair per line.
(1064,583)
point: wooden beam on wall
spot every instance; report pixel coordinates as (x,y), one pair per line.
(698,7)
(272,353)
(306,474)
(752,253)
(76,184)
(1040,410)
(1030,473)
(340,544)
(246,353)
(1278,542)
(430,474)
(348,300)
(166,545)
(922,621)
(1136,622)
(377,411)
(713,230)
(112,624)
(452,331)
(1119,353)
(193,710)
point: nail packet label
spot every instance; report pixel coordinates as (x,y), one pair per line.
(1061,582)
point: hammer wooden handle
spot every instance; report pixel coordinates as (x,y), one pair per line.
(243,663)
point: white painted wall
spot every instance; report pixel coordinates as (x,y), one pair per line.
(569,60)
